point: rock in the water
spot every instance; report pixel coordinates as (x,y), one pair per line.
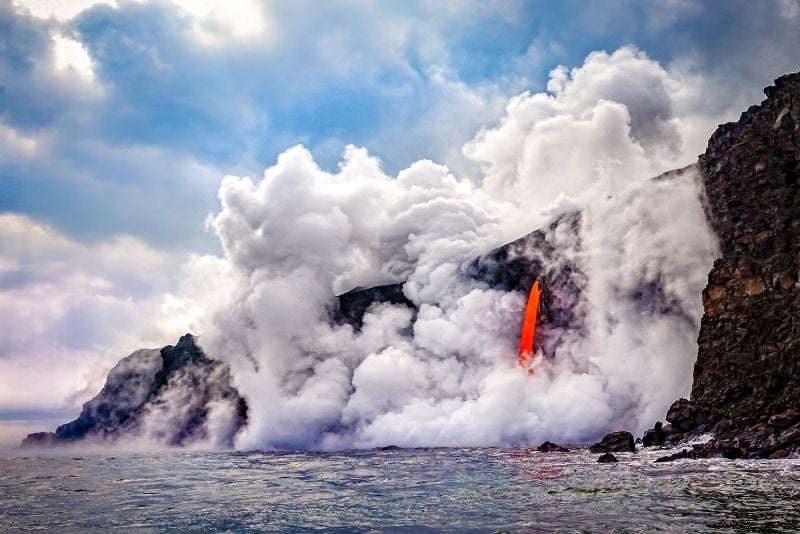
(780,454)
(681,415)
(549,446)
(712,449)
(655,437)
(172,396)
(620,441)
(674,437)
(681,455)
(607,458)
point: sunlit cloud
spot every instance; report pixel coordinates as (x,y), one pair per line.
(216,21)
(72,56)
(61,10)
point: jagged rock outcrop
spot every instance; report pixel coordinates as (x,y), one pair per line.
(172,396)
(655,437)
(746,386)
(682,416)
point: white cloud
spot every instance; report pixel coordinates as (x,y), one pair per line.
(16,143)
(217,21)
(790,8)
(72,56)
(69,311)
(214,21)
(59,9)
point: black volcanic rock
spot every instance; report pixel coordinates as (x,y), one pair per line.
(683,454)
(655,437)
(169,396)
(712,449)
(619,441)
(682,415)
(746,386)
(607,458)
(350,308)
(748,365)
(549,446)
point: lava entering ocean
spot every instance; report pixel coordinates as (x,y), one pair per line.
(529,327)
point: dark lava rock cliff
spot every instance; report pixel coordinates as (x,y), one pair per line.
(172,396)
(748,365)
(746,386)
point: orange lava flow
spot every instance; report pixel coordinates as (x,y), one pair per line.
(529,327)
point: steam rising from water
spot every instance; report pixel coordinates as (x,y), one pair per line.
(301,235)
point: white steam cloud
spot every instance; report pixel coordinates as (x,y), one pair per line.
(301,235)
(447,374)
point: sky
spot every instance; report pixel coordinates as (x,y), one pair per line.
(119,120)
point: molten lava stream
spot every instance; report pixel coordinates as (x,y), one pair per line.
(529,327)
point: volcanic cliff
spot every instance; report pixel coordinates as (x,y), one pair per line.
(746,386)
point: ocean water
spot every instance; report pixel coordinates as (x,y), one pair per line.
(412,490)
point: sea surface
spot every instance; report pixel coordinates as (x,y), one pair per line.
(410,490)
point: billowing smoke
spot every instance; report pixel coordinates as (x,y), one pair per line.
(448,374)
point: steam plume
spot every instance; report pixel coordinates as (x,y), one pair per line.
(449,376)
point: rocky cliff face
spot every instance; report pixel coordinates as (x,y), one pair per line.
(748,365)
(172,396)
(746,384)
